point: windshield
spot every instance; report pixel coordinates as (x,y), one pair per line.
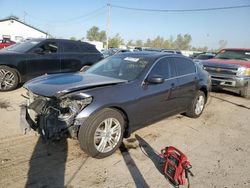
(22,47)
(109,52)
(125,68)
(204,57)
(234,54)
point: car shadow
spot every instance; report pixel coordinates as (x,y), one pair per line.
(151,153)
(236,104)
(224,91)
(132,167)
(47,164)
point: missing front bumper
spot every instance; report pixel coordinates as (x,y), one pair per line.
(26,123)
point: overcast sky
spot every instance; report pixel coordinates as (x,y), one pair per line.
(73,18)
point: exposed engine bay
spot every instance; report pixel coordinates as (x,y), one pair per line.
(54,118)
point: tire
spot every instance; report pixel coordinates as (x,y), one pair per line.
(197,106)
(94,140)
(245,92)
(8,78)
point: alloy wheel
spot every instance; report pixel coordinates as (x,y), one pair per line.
(107,135)
(7,79)
(199,105)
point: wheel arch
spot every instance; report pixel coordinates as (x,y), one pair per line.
(126,118)
(205,91)
(114,107)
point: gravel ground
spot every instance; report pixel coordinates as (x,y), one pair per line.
(217,145)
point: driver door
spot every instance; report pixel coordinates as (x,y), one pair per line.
(157,100)
(44,59)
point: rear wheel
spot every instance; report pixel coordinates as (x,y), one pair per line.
(197,106)
(102,133)
(8,78)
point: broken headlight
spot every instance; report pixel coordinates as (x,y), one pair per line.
(70,107)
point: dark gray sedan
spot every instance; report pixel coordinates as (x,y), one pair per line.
(113,98)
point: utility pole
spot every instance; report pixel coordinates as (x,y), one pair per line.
(24,14)
(108,26)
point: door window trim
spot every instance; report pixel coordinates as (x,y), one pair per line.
(194,73)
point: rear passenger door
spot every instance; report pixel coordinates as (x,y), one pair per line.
(186,80)
(70,56)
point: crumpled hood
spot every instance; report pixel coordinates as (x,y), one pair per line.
(227,61)
(59,84)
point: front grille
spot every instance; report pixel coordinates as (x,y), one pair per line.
(221,72)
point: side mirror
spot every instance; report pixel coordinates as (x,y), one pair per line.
(155,79)
(38,51)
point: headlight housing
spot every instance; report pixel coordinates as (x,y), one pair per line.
(78,103)
(243,71)
(70,107)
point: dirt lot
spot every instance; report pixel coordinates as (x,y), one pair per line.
(217,144)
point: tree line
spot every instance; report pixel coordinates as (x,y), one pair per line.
(181,42)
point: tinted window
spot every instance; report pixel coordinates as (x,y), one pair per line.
(126,68)
(234,54)
(203,57)
(169,51)
(49,47)
(70,47)
(22,47)
(163,68)
(184,66)
(172,68)
(88,48)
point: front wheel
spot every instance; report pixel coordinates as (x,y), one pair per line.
(197,106)
(102,133)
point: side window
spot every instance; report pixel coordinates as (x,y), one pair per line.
(88,48)
(70,47)
(184,66)
(162,68)
(19,38)
(49,47)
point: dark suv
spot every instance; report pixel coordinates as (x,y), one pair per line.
(24,61)
(114,97)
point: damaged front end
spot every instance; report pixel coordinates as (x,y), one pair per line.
(53,118)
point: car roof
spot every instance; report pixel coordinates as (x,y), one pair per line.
(35,39)
(236,49)
(148,54)
(42,39)
(67,40)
